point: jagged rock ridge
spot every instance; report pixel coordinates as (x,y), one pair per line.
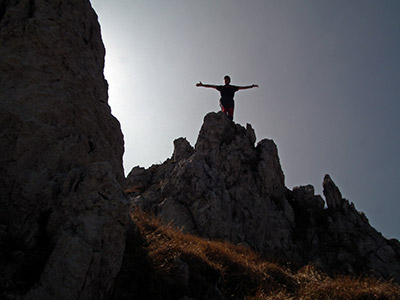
(226,187)
(63,210)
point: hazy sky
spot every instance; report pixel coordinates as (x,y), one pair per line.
(329,77)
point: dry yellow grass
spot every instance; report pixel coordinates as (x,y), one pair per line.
(173,264)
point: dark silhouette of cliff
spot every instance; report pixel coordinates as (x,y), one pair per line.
(63,212)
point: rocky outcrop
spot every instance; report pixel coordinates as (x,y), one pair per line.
(63,210)
(226,187)
(212,190)
(339,237)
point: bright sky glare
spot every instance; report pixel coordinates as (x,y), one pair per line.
(329,77)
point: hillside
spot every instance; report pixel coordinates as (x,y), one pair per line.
(228,188)
(164,263)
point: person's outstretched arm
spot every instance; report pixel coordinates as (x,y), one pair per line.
(206,85)
(247,87)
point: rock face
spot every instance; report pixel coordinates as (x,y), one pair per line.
(226,187)
(213,191)
(63,210)
(339,237)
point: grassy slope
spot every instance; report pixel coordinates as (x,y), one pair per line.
(163,263)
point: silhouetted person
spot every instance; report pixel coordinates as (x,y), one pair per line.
(227,93)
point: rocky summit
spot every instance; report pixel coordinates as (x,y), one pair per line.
(226,187)
(63,210)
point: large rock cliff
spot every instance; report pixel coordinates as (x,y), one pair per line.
(63,210)
(226,187)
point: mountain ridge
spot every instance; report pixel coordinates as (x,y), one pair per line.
(226,187)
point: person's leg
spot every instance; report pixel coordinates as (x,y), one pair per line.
(228,112)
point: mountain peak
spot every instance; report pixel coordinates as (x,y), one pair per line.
(227,187)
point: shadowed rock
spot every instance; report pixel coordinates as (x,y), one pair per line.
(63,210)
(229,188)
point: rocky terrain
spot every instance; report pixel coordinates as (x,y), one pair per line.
(65,204)
(63,210)
(228,188)
(162,263)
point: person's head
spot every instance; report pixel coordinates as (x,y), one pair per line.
(227,79)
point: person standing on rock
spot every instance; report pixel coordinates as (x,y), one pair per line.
(227,93)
